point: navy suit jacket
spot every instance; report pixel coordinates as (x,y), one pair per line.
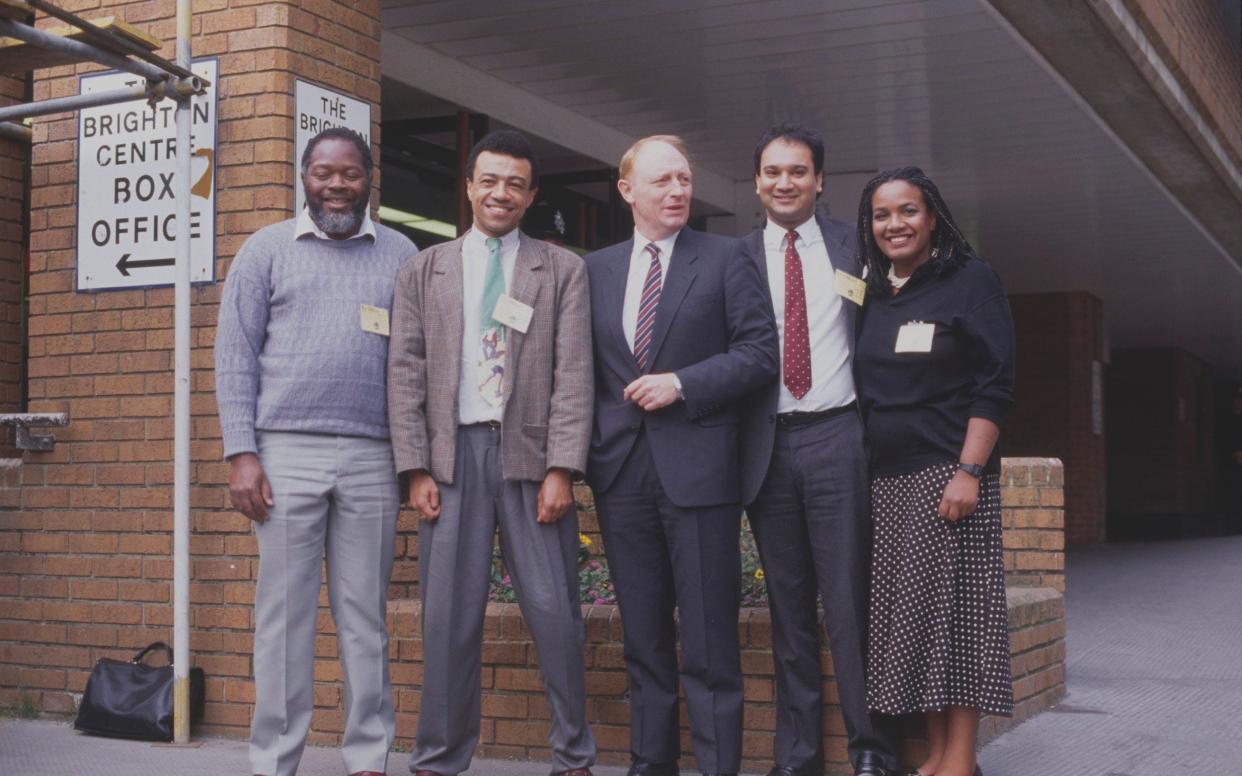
(759,424)
(714,328)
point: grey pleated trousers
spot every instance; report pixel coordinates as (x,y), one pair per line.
(339,494)
(455,558)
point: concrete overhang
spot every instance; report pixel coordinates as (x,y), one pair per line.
(1067,167)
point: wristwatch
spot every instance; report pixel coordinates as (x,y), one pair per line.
(973,469)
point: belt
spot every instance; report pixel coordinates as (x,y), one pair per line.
(494,425)
(804,418)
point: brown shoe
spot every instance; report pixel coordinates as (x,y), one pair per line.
(573,772)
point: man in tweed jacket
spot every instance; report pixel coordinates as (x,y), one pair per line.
(490,410)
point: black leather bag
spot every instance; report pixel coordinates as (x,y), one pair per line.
(129,699)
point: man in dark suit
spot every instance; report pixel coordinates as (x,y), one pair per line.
(805,479)
(681,333)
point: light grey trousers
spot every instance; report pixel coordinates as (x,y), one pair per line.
(455,558)
(339,494)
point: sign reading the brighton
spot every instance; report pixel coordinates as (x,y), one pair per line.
(127,187)
(317,109)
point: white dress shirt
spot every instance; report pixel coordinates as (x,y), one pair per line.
(305,225)
(640,264)
(472,407)
(832,382)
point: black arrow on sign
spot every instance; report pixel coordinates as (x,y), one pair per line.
(124,265)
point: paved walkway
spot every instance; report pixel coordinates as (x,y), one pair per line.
(1154,661)
(1155,687)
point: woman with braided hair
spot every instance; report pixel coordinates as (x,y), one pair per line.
(934,369)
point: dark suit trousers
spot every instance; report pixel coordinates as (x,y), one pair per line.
(812,524)
(662,555)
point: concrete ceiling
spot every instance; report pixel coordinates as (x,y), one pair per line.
(1048,194)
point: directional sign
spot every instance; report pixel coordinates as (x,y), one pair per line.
(127,187)
(317,109)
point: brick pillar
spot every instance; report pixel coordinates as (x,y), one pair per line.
(85,564)
(1060,401)
(14,156)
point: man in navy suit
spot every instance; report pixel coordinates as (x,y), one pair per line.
(804,480)
(682,332)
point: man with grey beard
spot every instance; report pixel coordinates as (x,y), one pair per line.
(301,357)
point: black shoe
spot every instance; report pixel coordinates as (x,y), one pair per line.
(789,770)
(640,767)
(869,765)
(782,770)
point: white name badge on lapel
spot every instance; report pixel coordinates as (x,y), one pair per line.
(851,287)
(915,337)
(513,313)
(375,320)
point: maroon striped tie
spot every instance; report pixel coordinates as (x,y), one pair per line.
(647,305)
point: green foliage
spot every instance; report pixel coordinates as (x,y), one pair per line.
(595,582)
(24,708)
(754,589)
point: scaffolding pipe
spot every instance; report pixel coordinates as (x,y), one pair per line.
(19,132)
(181,401)
(85,51)
(96,34)
(77,101)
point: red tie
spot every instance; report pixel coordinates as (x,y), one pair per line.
(647,305)
(797,357)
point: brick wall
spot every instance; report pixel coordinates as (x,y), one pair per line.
(1060,339)
(85,543)
(1201,47)
(515,715)
(1033,518)
(14,156)
(65,583)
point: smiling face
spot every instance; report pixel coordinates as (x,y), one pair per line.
(787,183)
(499,192)
(337,187)
(658,188)
(902,225)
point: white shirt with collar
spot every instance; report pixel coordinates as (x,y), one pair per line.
(832,381)
(305,225)
(640,265)
(471,407)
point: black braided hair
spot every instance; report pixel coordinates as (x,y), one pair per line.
(950,248)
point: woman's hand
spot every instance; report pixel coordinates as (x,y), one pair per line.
(960,497)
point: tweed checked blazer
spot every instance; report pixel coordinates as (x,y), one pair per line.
(548,385)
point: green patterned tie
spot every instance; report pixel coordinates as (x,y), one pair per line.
(492,364)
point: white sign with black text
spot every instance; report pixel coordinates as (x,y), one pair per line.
(127,192)
(317,109)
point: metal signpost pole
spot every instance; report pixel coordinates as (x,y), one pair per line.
(181,404)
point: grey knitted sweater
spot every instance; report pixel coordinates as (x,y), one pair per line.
(291,354)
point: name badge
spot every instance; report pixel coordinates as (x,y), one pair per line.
(915,337)
(851,287)
(375,320)
(513,313)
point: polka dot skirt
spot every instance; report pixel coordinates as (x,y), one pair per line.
(939,625)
